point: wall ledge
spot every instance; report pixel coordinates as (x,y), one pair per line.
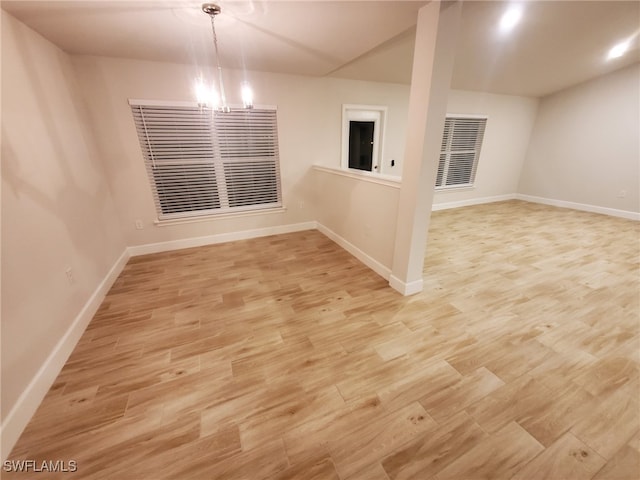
(380,179)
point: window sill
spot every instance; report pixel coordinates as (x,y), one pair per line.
(209,218)
(381,179)
(455,188)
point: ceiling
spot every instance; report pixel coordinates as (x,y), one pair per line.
(556,44)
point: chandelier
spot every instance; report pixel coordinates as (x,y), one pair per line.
(207,96)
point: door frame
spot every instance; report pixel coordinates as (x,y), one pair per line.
(364,113)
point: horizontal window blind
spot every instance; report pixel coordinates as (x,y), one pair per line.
(247,142)
(204,162)
(460,151)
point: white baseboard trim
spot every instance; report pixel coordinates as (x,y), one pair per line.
(410,288)
(29,401)
(472,201)
(218,238)
(365,258)
(580,206)
(406,289)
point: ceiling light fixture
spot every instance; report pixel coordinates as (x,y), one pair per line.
(247,95)
(207,95)
(619,50)
(510,18)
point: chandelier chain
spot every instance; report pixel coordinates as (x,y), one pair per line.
(223,97)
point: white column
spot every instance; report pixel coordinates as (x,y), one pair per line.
(433,59)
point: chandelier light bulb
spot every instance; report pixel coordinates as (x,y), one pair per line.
(202,96)
(206,95)
(247,95)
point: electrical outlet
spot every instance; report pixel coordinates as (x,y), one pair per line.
(139,225)
(69,273)
(622,194)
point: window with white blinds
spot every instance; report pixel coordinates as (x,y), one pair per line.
(204,162)
(460,151)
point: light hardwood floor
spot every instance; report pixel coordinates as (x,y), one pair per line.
(284,357)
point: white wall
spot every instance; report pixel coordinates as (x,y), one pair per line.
(364,213)
(309,115)
(57,213)
(74,183)
(506,138)
(585,145)
(309,120)
(309,124)
(361,212)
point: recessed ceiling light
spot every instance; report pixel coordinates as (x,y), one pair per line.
(618,50)
(510,18)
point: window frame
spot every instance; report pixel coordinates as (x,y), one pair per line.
(364,113)
(218,162)
(447,151)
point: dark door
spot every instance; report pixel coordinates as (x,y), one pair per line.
(361,145)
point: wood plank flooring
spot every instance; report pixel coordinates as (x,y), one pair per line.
(284,357)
